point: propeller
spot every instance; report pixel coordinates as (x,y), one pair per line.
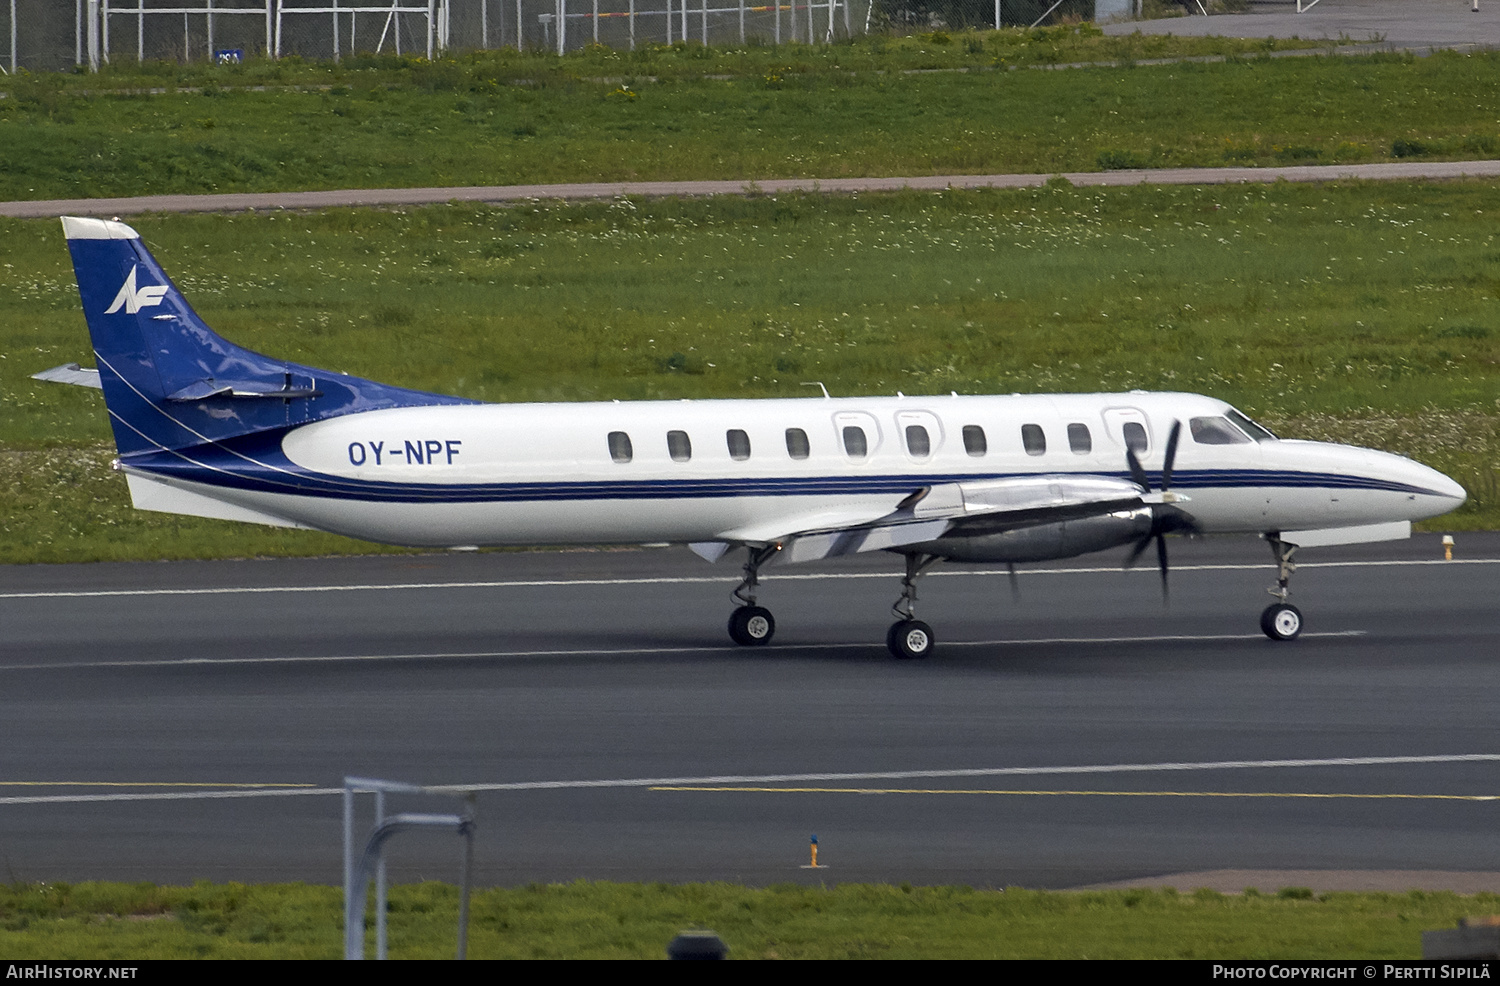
(1166,516)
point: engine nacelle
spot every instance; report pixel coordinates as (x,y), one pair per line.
(1048,541)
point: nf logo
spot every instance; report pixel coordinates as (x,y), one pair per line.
(133,300)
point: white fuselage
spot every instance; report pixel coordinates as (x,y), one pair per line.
(518,474)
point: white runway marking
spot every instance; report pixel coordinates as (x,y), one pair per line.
(634,651)
(890,775)
(725,579)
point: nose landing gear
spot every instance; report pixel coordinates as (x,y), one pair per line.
(1281,620)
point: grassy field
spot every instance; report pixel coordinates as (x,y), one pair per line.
(853,110)
(1359,312)
(604,921)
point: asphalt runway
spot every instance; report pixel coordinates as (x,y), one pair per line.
(1077,736)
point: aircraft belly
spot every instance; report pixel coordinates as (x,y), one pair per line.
(507,522)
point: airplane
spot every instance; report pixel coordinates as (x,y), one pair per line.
(206,428)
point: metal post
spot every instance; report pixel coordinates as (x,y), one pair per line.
(187,51)
(93,35)
(832,6)
(77,29)
(669,20)
(335,8)
(140,31)
(705,23)
(596,21)
(210,4)
(484,24)
(997,15)
(277,52)
(520,41)
(809,21)
(778,21)
(12,37)
(742,21)
(684,20)
(381,899)
(268,27)
(562,26)
(632,25)
(104,34)
(431,26)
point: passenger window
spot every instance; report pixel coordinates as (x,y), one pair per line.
(796,443)
(1215,431)
(1135,436)
(1079,439)
(739,444)
(855,443)
(678,446)
(1033,440)
(974,441)
(619,446)
(917,442)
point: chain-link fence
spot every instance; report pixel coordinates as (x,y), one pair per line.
(50,35)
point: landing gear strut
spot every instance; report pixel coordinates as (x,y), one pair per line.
(751,625)
(1281,620)
(909,637)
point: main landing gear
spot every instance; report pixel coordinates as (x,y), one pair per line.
(909,637)
(751,625)
(1281,620)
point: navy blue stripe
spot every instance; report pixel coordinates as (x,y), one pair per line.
(258,465)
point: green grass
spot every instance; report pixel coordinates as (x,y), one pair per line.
(604,920)
(1367,313)
(474,122)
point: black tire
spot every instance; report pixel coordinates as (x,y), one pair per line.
(1281,621)
(909,639)
(751,626)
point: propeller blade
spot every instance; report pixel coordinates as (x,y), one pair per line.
(1137,551)
(1015,586)
(1161,561)
(1166,469)
(1137,474)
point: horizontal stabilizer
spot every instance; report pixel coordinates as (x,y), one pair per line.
(71,373)
(204,389)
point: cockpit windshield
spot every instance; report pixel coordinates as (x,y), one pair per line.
(1255,431)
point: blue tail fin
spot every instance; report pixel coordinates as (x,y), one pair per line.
(170,381)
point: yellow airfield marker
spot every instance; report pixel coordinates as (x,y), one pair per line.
(814,865)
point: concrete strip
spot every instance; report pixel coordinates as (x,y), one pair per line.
(385,197)
(1322,881)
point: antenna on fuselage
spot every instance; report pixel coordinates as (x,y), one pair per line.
(819,385)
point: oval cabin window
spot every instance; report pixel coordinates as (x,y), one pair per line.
(1033,440)
(974,441)
(855,443)
(917,441)
(679,447)
(739,444)
(796,443)
(619,446)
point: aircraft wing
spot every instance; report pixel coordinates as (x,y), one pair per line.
(974,508)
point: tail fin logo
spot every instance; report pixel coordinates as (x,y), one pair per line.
(133,300)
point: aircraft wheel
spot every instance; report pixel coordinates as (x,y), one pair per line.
(1281,621)
(908,639)
(751,625)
